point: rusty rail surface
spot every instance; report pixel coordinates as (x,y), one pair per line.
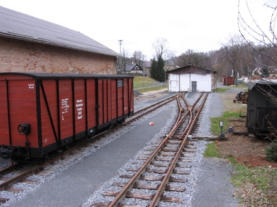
(193,119)
(20,176)
(149,109)
(182,115)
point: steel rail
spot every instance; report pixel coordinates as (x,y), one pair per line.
(149,109)
(180,119)
(21,176)
(157,103)
(132,181)
(8,169)
(165,179)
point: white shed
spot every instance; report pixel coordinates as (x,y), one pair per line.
(192,79)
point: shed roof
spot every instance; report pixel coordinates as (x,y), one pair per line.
(20,26)
(190,69)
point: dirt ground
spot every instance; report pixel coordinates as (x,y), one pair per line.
(248,150)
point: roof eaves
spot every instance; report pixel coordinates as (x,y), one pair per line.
(51,43)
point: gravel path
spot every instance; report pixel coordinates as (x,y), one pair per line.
(212,186)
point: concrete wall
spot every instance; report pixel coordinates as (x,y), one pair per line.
(183,82)
(21,56)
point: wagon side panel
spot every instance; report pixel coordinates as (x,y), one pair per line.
(131,95)
(105,101)
(91,103)
(100,102)
(65,107)
(119,97)
(23,109)
(80,104)
(4,115)
(109,100)
(113,99)
(49,112)
(125,96)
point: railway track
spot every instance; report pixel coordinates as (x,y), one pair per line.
(137,114)
(169,158)
(15,172)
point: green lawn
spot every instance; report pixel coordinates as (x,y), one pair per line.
(221,90)
(141,81)
(144,84)
(211,150)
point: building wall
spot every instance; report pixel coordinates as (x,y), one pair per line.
(183,82)
(21,56)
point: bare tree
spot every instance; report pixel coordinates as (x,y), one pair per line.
(160,47)
(138,58)
(252,31)
(193,58)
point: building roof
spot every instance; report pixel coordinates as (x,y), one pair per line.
(131,67)
(20,26)
(190,69)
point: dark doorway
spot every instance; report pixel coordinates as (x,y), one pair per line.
(194,86)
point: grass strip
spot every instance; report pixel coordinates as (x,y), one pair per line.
(155,88)
(211,150)
(225,118)
(221,90)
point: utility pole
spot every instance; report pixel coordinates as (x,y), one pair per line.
(120,44)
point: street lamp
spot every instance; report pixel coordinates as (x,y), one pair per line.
(221,125)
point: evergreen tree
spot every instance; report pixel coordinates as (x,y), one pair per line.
(157,69)
(160,69)
(153,69)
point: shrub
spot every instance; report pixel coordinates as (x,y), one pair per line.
(271,152)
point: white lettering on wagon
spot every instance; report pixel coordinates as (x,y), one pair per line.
(64,106)
(79,108)
(31,85)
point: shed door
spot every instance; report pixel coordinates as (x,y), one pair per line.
(194,86)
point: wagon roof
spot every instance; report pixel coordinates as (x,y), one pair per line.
(190,68)
(64,75)
(251,85)
(20,26)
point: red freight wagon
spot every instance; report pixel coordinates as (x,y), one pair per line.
(228,80)
(40,113)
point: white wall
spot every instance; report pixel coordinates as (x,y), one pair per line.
(182,82)
(204,82)
(173,82)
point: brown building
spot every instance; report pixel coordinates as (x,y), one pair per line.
(29,44)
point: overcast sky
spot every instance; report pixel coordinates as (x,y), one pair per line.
(186,24)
